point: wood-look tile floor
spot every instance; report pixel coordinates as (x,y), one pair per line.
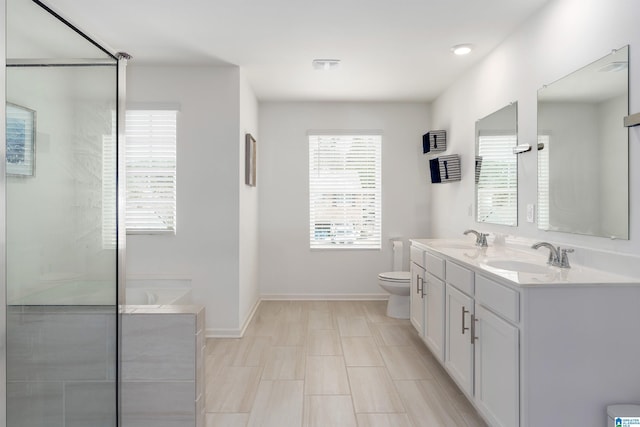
(330,363)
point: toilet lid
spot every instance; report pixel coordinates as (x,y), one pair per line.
(395,276)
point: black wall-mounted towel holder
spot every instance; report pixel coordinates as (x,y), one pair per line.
(434,141)
(445,169)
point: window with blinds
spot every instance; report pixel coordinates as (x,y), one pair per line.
(109,183)
(498,182)
(543,182)
(345,191)
(151,171)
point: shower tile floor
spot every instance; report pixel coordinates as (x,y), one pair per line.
(330,363)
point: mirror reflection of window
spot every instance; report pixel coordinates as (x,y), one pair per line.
(543,181)
(497,184)
(497,167)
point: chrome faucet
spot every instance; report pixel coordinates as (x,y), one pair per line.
(481,238)
(557,257)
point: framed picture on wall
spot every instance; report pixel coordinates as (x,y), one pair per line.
(21,140)
(250,161)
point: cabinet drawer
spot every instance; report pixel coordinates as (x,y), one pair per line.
(434,265)
(417,256)
(460,277)
(499,298)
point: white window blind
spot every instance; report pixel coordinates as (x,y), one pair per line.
(151,171)
(498,183)
(543,183)
(109,182)
(345,191)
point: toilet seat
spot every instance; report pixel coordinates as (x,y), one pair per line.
(395,276)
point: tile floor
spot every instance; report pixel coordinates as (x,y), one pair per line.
(330,363)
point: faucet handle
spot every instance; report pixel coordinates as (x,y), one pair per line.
(482,240)
(564,259)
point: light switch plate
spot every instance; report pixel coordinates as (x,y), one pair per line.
(531,211)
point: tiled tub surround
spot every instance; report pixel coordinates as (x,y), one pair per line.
(61,366)
(553,347)
(162,366)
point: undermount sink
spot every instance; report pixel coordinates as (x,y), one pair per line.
(518,266)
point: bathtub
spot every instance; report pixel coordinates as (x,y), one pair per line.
(157,296)
(81,292)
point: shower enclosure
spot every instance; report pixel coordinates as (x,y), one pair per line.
(61,234)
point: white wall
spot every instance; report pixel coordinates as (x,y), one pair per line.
(564,36)
(206,245)
(248,221)
(287,266)
(574,170)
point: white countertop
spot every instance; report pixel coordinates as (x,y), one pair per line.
(465,252)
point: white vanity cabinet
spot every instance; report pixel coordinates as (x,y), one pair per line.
(550,346)
(497,369)
(417,294)
(497,352)
(483,349)
(458,359)
(428,299)
(434,301)
(471,324)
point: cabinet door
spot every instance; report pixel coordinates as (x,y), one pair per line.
(497,373)
(417,306)
(434,315)
(459,347)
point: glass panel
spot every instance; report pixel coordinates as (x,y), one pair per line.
(60,233)
(583,150)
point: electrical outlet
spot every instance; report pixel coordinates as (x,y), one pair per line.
(531,212)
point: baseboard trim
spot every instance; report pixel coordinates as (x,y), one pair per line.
(326,297)
(233,332)
(250,317)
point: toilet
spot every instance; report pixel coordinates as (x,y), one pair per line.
(397,283)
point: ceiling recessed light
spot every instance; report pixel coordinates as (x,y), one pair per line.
(325,64)
(461,49)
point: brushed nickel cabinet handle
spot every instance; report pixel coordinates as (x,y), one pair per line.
(473,329)
(464,311)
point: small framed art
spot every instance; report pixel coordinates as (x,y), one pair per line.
(21,140)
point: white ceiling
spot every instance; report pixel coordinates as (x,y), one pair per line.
(391,50)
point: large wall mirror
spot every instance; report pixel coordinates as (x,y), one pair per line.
(497,167)
(583,147)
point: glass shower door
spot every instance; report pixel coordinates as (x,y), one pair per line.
(61,234)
